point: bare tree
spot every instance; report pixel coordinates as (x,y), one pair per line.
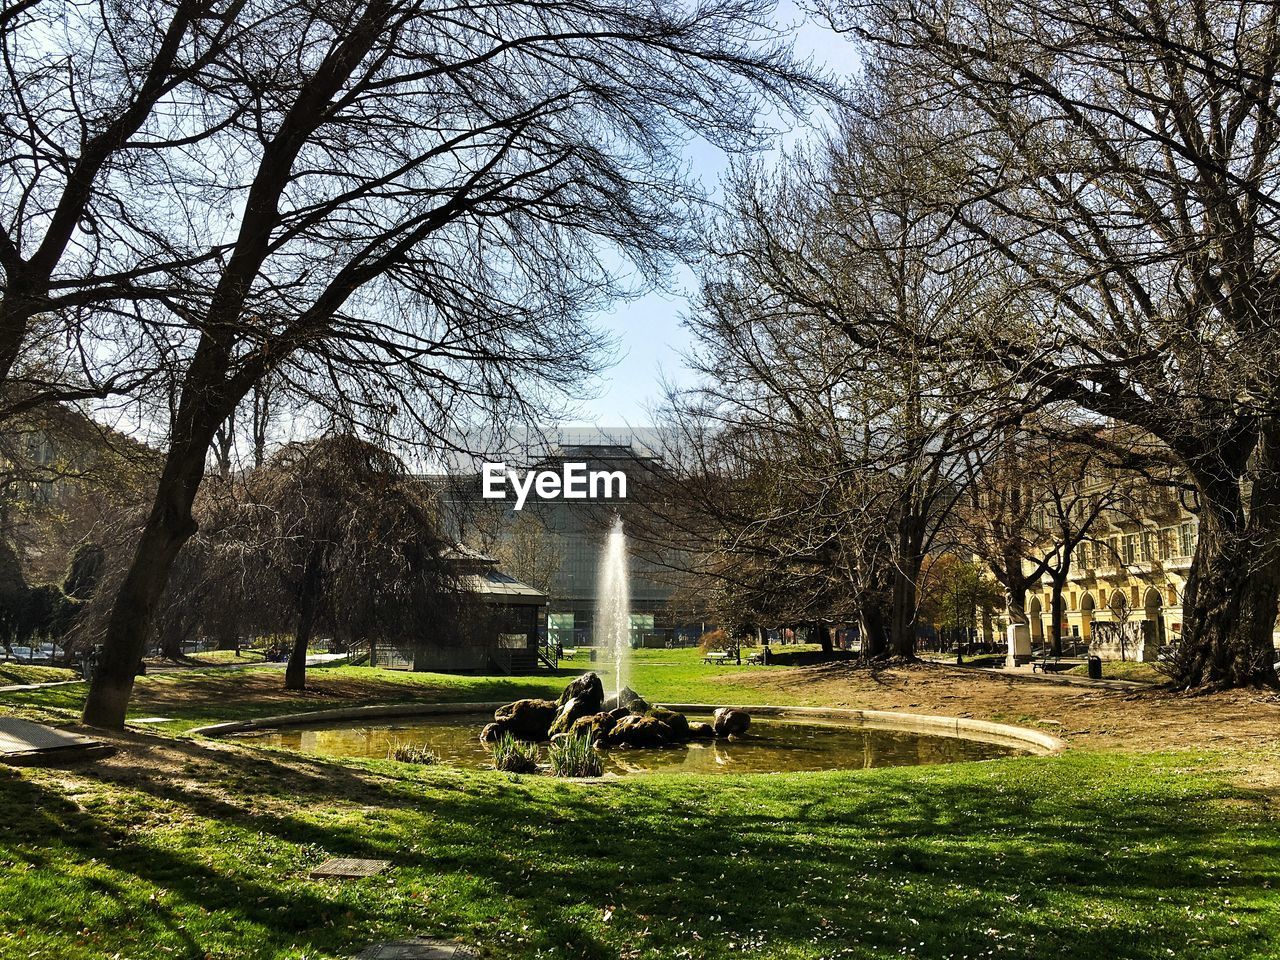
(995,520)
(528,550)
(1121,162)
(427,208)
(740,530)
(95,103)
(1077,490)
(332,537)
(869,427)
(1035,496)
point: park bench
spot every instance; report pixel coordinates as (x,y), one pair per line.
(756,659)
(1048,663)
(715,659)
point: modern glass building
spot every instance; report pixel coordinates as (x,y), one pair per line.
(574,531)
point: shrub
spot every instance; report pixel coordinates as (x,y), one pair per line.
(721,640)
(714,641)
(411,753)
(85,572)
(514,756)
(574,756)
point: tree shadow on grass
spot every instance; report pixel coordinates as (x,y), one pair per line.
(1027,858)
(96,863)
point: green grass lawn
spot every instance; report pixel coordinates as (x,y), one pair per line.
(202,851)
(1123,670)
(1081,856)
(227,656)
(195,697)
(14,673)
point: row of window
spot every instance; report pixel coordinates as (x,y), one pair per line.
(1138,597)
(1119,506)
(1165,543)
(561,626)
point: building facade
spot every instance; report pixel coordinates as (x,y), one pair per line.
(574,531)
(1124,590)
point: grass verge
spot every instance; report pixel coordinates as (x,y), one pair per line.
(1080,856)
(179,848)
(16,673)
(200,696)
(1122,670)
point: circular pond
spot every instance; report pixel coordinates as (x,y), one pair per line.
(773,746)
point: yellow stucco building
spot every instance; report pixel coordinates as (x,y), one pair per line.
(1123,595)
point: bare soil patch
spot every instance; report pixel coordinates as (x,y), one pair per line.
(1085,717)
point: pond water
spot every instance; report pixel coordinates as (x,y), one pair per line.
(771,746)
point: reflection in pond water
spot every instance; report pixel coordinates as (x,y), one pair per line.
(773,746)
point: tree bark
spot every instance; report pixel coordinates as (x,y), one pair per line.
(1056,611)
(902,629)
(295,672)
(171,645)
(821,636)
(309,591)
(871,621)
(906,578)
(1230,601)
(168,527)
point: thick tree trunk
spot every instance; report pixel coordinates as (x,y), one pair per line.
(168,527)
(170,524)
(872,644)
(822,636)
(1228,617)
(308,598)
(295,672)
(1229,608)
(1230,601)
(1056,611)
(17,308)
(171,645)
(902,629)
(906,579)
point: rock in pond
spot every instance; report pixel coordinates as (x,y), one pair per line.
(701,731)
(570,712)
(588,690)
(637,731)
(596,727)
(678,723)
(730,721)
(581,698)
(627,700)
(526,719)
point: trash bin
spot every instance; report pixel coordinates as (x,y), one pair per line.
(1095,668)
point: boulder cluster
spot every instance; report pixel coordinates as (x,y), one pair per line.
(625,720)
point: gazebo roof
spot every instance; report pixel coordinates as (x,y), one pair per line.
(498,587)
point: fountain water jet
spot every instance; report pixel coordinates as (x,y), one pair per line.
(613,604)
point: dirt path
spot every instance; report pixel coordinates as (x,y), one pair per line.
(1084,717)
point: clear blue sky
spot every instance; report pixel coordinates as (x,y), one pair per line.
(649,332)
